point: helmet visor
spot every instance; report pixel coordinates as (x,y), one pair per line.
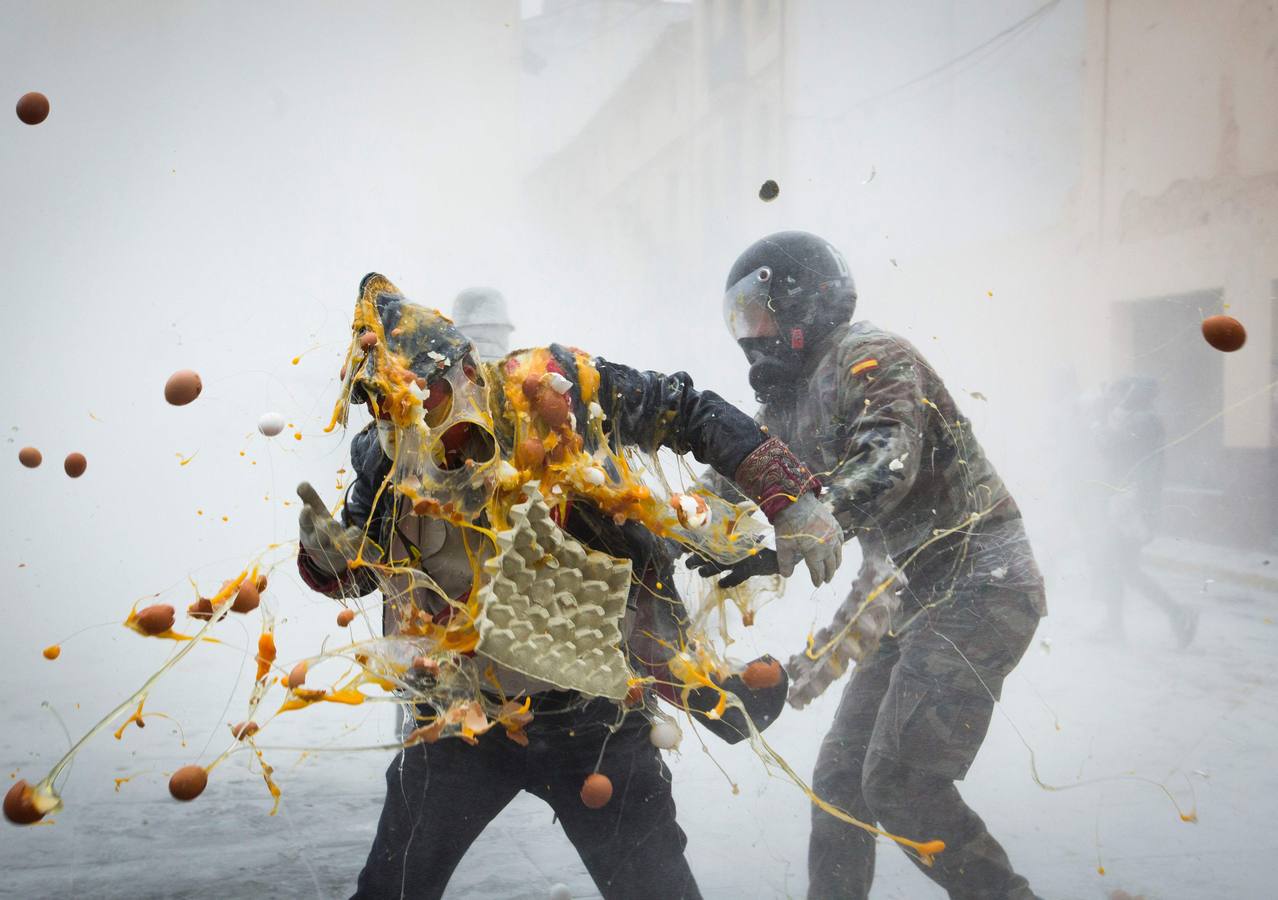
(747,310)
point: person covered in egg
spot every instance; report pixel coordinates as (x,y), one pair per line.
(457,455)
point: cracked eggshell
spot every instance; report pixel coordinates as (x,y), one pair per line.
(297,677)
(507,475)
(692,510)
(557,383)
(156,619)
(247,597)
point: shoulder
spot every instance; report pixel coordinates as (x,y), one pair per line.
(562,367)
(557,358)
(866,348)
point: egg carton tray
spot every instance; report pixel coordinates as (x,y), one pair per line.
(551,608)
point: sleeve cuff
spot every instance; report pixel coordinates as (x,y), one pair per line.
(319,580)
(773,477)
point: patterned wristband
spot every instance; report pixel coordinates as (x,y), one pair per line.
(774,477)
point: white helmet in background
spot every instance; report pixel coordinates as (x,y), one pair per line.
(480,314)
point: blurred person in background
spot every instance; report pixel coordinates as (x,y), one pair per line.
(1127,463)
(949,595)
(480,314)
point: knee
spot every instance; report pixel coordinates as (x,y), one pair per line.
(891,789)
(838,767)
(879,782)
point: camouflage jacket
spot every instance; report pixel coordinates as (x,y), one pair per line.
(901,466)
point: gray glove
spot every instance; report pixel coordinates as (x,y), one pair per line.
(807,529)
(329,545)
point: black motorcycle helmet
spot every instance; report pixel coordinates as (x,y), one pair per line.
(784,293)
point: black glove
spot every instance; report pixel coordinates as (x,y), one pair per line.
(763,705)
(762,563)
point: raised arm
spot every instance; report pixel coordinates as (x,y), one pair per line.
(650,410)
(327,546)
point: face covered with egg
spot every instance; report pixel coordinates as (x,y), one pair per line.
(424,386)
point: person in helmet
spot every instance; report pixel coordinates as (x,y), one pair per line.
(480,314)
(932,640)
(460,458)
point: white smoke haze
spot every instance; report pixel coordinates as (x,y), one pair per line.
(1042,197)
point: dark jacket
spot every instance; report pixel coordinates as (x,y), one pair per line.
(643,409)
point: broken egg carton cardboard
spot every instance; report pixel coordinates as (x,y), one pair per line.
(551,608)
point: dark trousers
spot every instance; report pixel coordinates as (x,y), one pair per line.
(440,796)
(910,723)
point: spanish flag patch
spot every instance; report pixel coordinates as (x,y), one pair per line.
(864,364)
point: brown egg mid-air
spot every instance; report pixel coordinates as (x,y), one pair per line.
(182,387)
(30,457)
(1225,333)
(75,464)
(19,805)
(33,108)
(188,782)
